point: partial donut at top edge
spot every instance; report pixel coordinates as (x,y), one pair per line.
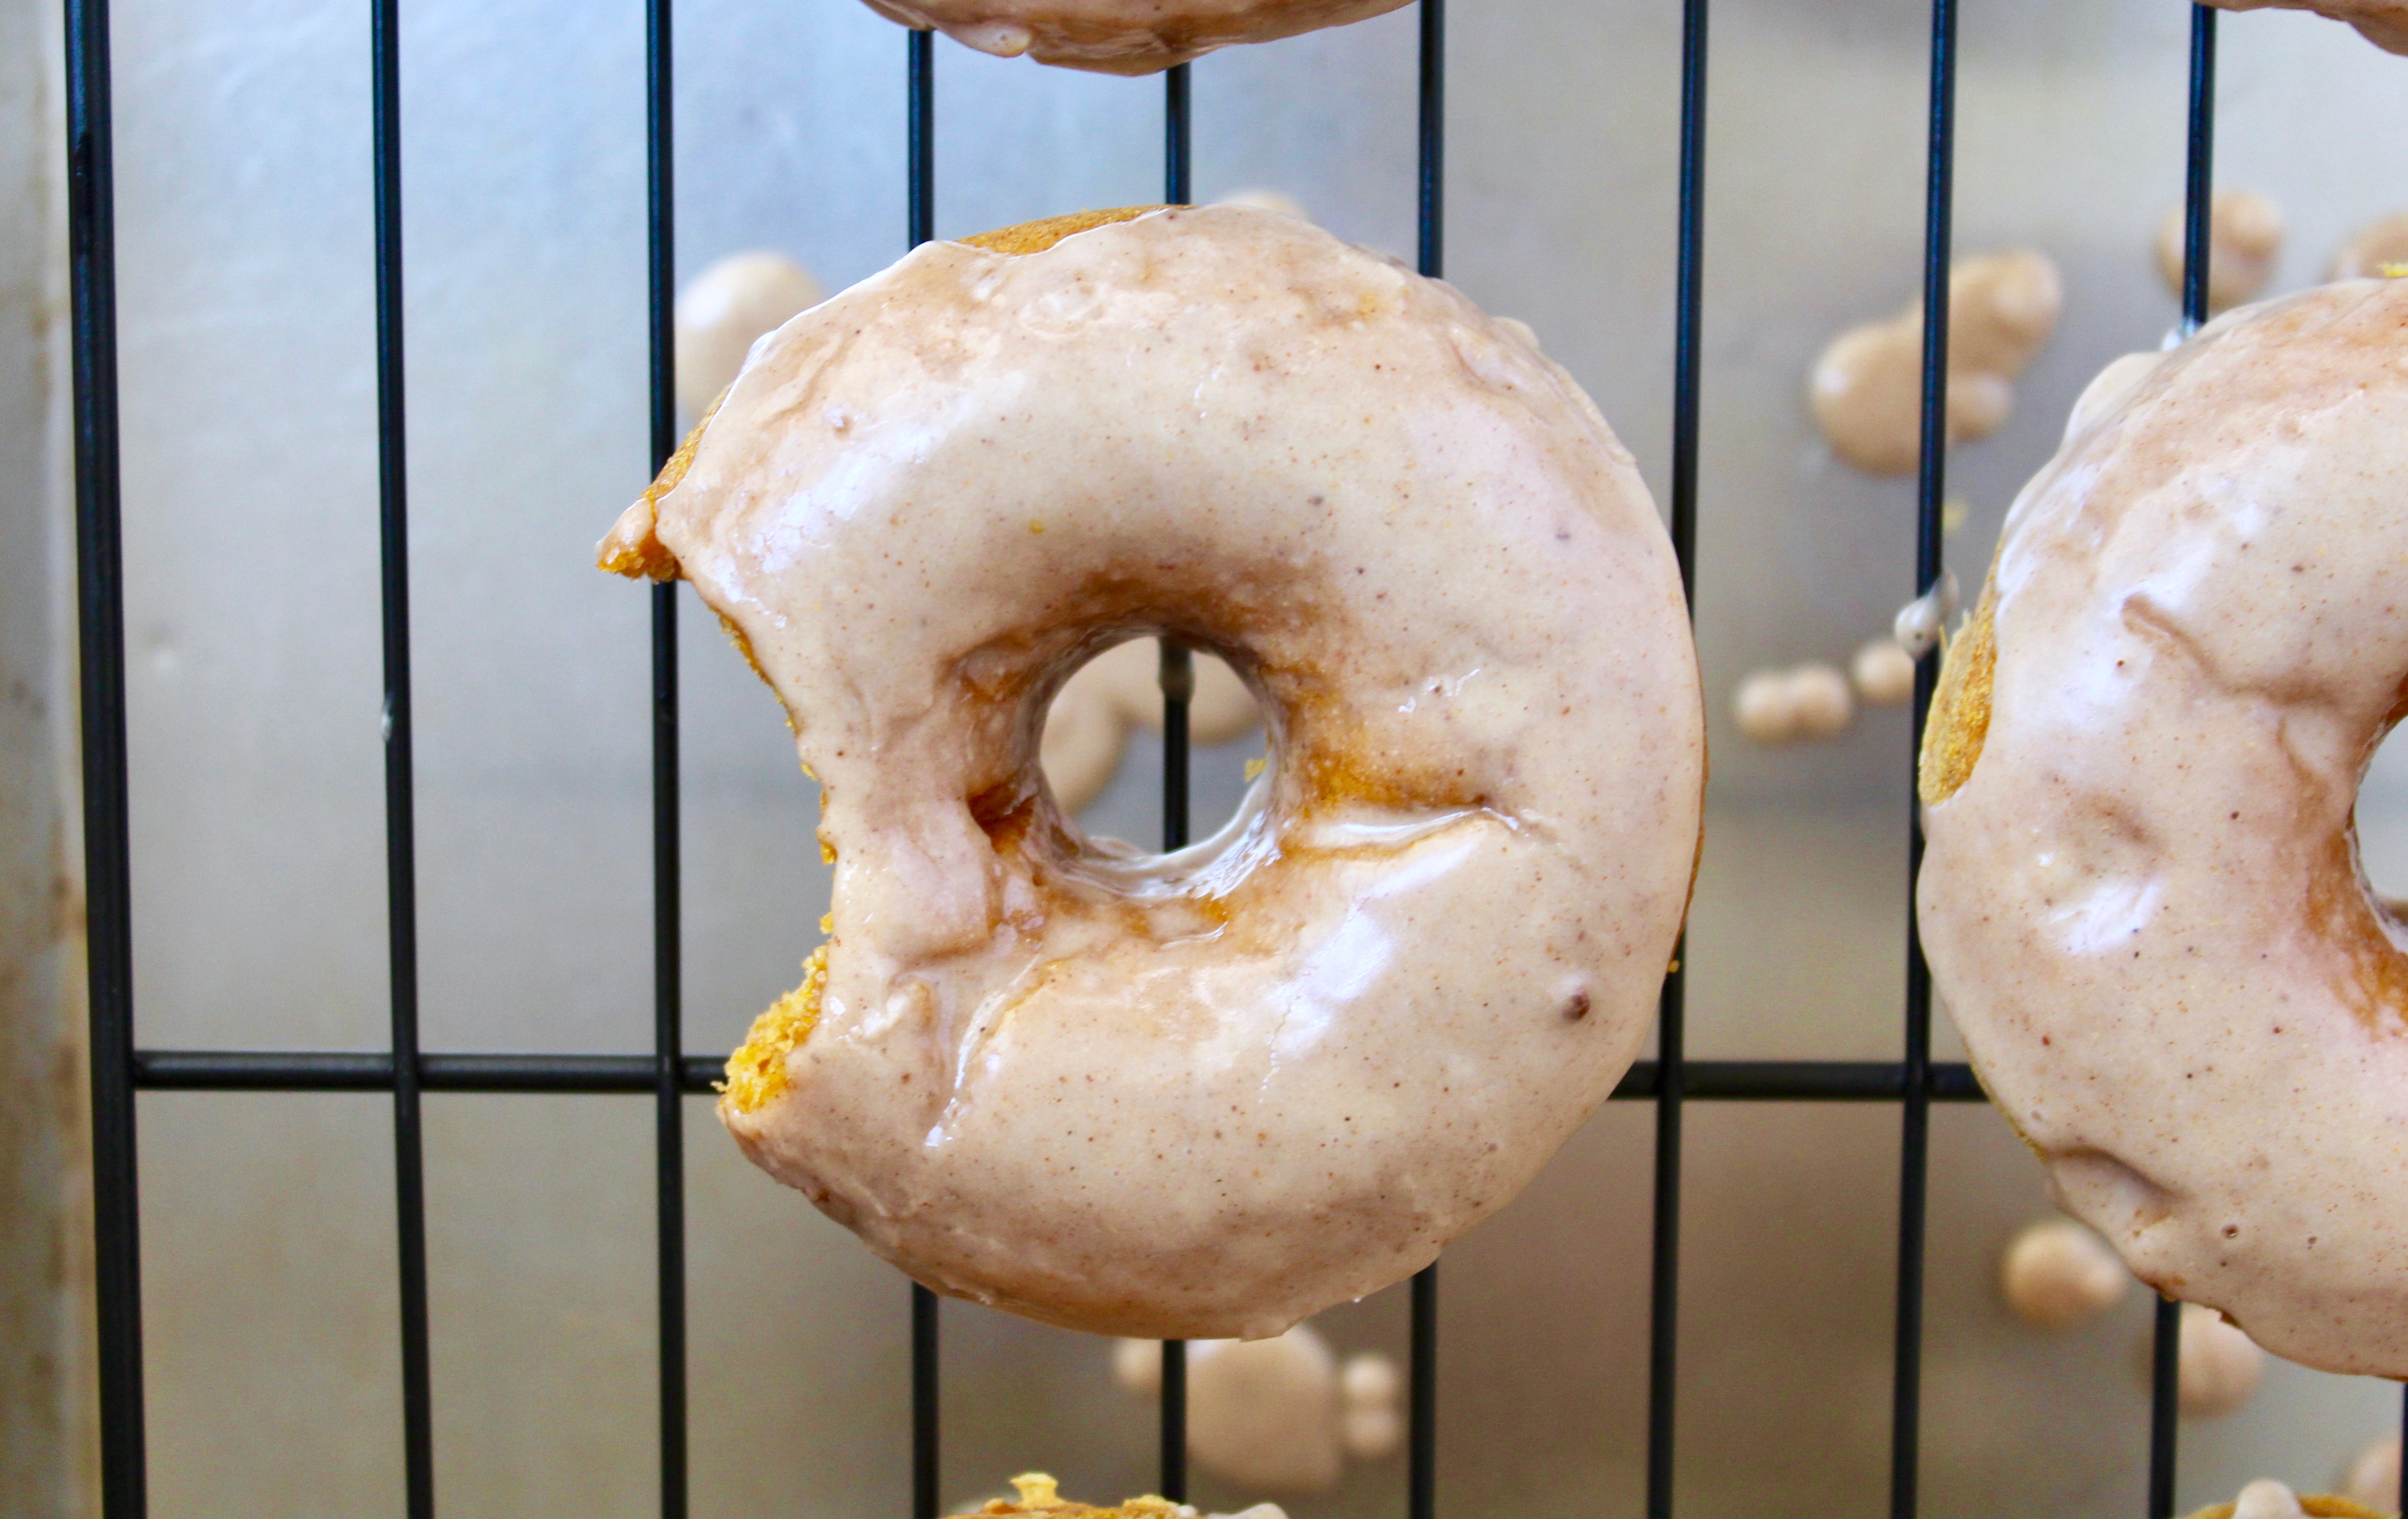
(2141,897)
(1207,1094)
(1122,36)
(2383,22)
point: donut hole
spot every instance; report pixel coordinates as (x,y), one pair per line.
(2382,821)
(1103,749)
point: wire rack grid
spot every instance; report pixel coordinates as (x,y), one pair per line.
(670,1074)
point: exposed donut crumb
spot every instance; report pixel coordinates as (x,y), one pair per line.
(1959,723)
(743,646)
(633,549)
(1039,236)
(757,1071)
(1041,1494)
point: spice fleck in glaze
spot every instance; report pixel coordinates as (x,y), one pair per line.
(1207,1093)
(2141,897)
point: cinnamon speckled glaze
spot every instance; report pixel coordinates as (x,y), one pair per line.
(1207,1093)
(2141,897)
(1122,36)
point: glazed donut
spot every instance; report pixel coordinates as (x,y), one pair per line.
(2141,897)
(2383,22)
(1122,36)
(1199,1096)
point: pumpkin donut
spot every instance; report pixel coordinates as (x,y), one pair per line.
(1122,36)
(2142,896)
(1201,1095)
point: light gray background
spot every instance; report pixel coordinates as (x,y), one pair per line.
(252,625)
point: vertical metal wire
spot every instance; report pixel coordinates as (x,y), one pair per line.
(920,214)
(1178,677)
(2165,1401)
(1421,1437)
(668,994)
(1173,1476)
(924,1502)
(1432,187)
(1178,145)
(2400,1499)
(1906,1387)
(2199,186)
(400,822)
(1672,1023)
(920,137)
(100,643)
(1421,1464)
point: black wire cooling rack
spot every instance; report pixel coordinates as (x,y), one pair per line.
(119,1070)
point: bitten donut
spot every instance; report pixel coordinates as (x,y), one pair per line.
(1122,36)
(1199,1096)
(2141,897)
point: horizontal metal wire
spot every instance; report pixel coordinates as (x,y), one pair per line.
(372,1071)
(1803,1081)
